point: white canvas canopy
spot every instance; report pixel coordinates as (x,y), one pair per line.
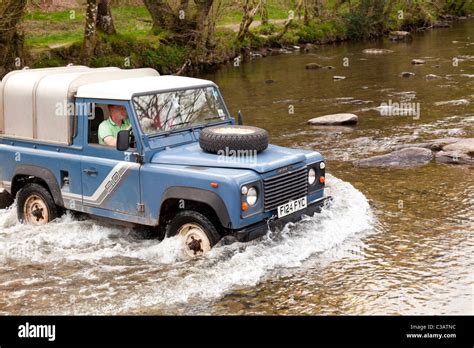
(34,104)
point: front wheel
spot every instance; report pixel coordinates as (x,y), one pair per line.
(35,205)
(198,232)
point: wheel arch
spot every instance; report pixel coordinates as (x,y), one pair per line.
(195,199)
(25,173)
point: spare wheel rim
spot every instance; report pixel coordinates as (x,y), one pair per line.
(36,211)
(196,241)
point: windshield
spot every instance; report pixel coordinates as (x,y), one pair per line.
(170,111)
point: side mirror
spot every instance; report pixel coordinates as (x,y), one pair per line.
(123,140)
(240,119)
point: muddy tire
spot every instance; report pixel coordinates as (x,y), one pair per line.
(35,205)
(6,200)
(199,233)
(222,139)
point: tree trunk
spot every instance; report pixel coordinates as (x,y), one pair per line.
(105,23)
(312,9)
(90,36)
(299,4)
(202,22)
(320,8)
(250,10)
(11,39)
(161,13)
(264,12)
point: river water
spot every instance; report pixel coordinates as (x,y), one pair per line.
(395,241)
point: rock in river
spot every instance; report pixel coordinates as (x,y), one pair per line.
(406,74)
(376,51)
(433,145)
(335,119)
(418,61)
(399,36)
(461,152)
(309,47)
(430,77)
(405,158)
(312,66)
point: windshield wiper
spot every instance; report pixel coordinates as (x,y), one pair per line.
(171,131)
(180,124)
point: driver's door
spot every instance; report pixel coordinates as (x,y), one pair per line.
(110,178)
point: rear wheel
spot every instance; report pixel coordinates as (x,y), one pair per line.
(35,205)
(198,232)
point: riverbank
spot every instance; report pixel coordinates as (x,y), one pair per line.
(135,45)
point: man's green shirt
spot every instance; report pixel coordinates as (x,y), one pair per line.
(109,128)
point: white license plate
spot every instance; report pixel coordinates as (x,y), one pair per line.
(292,206)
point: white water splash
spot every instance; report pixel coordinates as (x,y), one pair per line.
(168,279)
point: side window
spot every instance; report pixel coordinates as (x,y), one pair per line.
(98,113)
(105,122)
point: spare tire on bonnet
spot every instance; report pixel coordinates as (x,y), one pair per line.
(222,139)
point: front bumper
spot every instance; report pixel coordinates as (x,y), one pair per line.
(261,228)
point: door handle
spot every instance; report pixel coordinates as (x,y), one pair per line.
(91,171)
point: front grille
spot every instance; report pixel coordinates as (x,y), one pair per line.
(286,187)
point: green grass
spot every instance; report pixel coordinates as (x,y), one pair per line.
(44,29)
(55,17)
(48,40)
(275,11)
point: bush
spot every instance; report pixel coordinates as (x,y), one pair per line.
(266,29)
(165,59)
(359,25)
(290,38)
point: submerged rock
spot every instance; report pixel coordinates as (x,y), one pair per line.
(433,145)
(453,102)
(338,77)
(418,61)
(335,119)
(309,47)
(404,158)
(376,51)
(406,74)
(461,152)
(430,77)
(399,35)
(313,66)
(441,25)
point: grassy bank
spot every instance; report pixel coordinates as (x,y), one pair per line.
(54,38)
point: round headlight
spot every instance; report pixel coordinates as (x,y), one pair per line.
(252,196)
(244,190)
(311,176)
(322,165)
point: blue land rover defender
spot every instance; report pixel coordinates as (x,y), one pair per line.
(181,166)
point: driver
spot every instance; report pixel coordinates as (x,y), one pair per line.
(110,127)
